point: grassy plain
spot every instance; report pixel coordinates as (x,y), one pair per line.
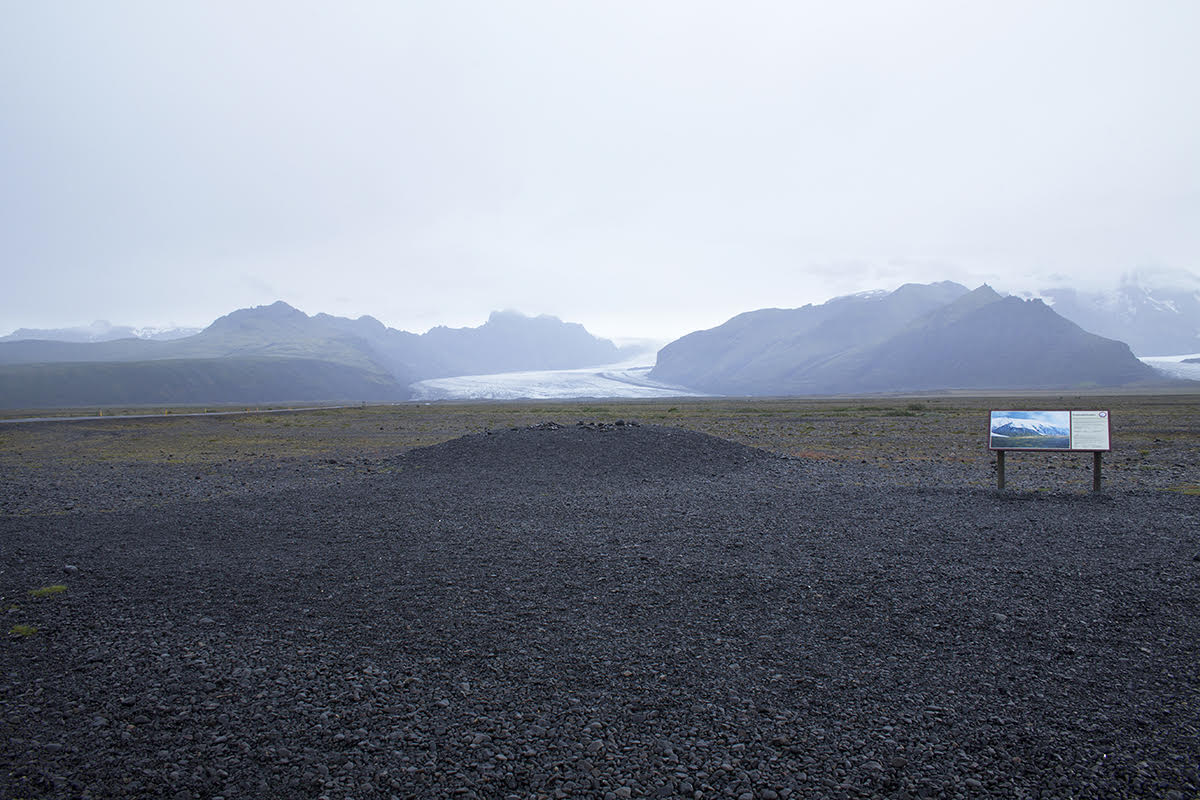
(1155,438)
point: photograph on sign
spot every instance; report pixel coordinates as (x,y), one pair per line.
(1034,430)
(1089,430)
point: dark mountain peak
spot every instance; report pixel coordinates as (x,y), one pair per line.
(753,351)
(257,316)
(985,290)
(946,290)
(510,341)
(964,305)
(511,315)
(512,319)
(363,326)
(278,310)
(919,337)
(984,341)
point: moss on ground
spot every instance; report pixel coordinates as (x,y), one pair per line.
(1147,429)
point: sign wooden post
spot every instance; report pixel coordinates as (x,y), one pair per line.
(1043,431)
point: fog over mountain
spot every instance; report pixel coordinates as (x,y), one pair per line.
(1154,319)
(645,169)
(98,331)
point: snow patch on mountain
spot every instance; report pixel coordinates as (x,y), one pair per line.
(1010,426)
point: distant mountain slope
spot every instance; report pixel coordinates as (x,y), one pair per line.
(507,341)
(98,331)
(278,330)
(1007,343)
(376,356)
(930,337)
(191,381)
(46,351)
(760,351)
(1026,427)
(510,341)
(1153,321)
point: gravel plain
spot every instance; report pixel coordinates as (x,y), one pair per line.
(595,610)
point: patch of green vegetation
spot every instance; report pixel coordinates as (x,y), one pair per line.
(1037,442)
(899,412)
(48,591)
(22,630)
(1187,488)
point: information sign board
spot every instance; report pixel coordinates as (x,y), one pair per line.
(1089,430)
(1049,430)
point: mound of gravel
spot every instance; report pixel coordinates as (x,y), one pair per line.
(591,454)
(612,612)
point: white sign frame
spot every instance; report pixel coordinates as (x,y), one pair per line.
(1060,430)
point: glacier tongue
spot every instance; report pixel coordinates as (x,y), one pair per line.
(1174,366)
(626,379)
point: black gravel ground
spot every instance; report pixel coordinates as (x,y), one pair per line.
(605,611)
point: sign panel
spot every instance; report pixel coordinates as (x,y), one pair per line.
(1089,430)
(1049,430)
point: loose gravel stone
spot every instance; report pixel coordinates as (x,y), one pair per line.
(603,610)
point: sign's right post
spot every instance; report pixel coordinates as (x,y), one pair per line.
(1090,431)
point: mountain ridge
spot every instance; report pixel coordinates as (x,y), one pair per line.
(922,337)
(376,361)
(919,337)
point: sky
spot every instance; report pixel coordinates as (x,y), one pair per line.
(644,168)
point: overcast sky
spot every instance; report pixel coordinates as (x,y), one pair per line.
(645,168)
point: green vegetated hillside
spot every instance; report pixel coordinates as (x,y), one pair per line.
(190,381)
